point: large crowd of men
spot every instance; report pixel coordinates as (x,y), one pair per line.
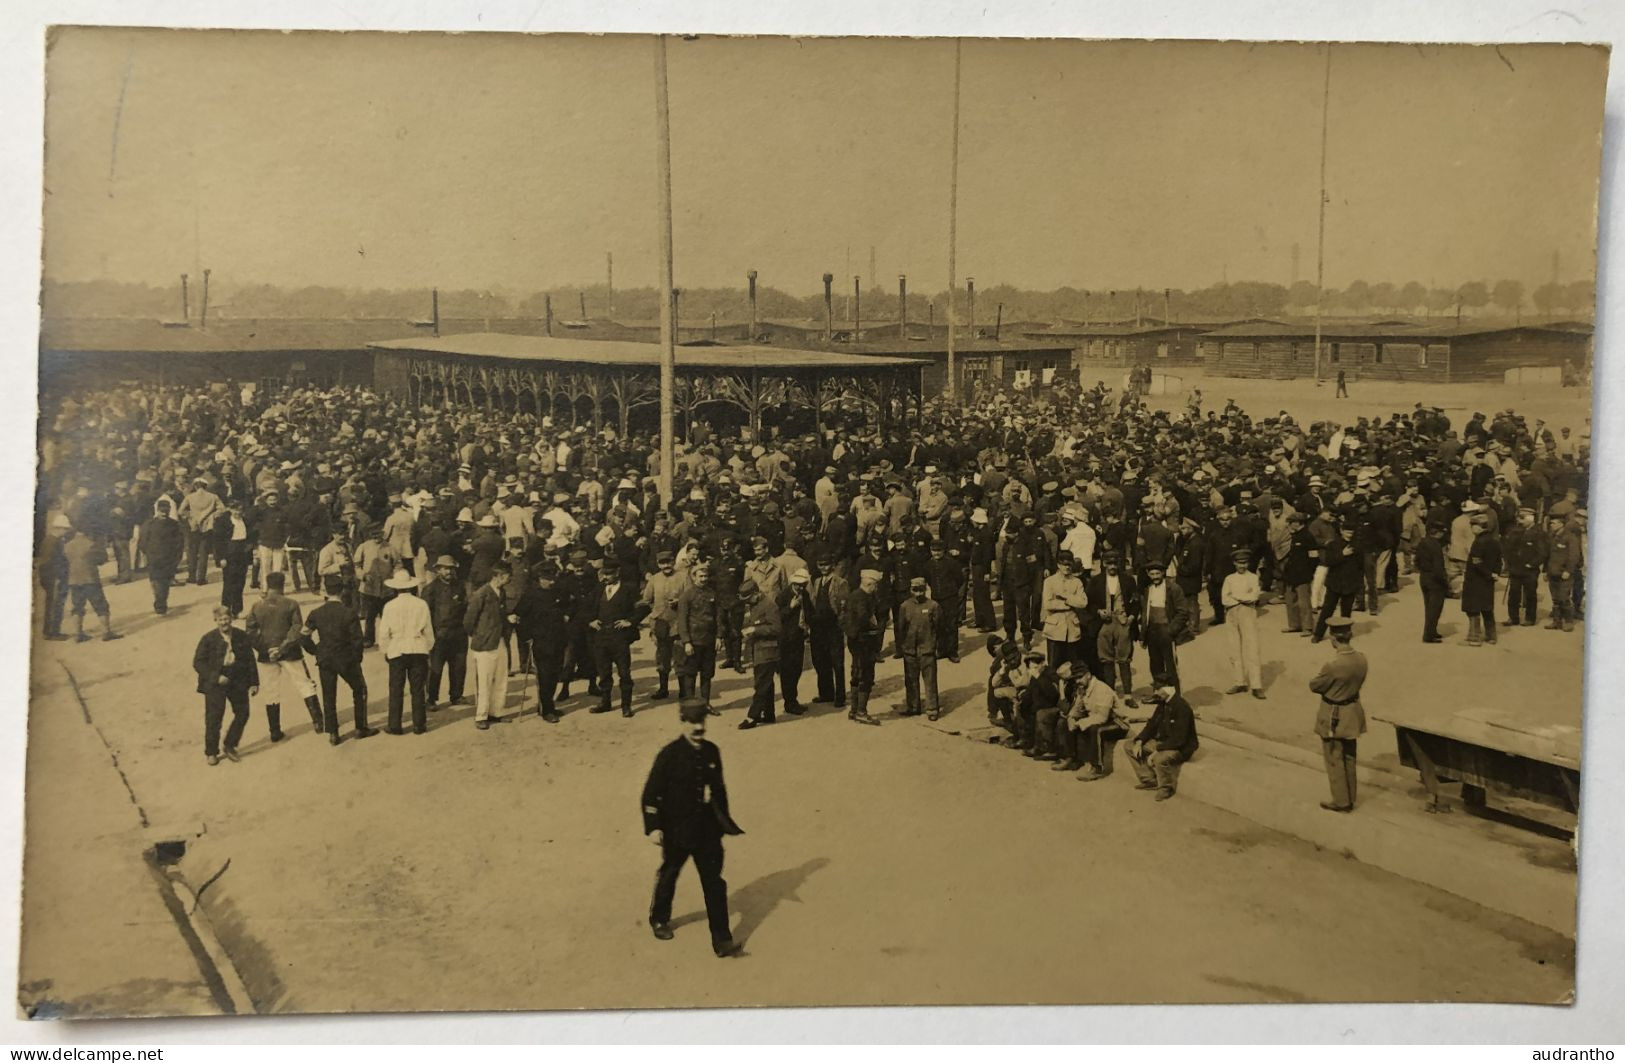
(468,544)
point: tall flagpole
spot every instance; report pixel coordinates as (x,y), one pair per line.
(1320,255)
(953,233)
(668,334)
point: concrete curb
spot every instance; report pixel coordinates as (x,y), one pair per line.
(1388,830)
(1280,787)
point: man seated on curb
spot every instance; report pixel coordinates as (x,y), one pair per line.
(1049,719)
(1041,691)
(1084,735)
(1002,693)
(1167,741)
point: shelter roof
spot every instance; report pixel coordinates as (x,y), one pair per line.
(632,353)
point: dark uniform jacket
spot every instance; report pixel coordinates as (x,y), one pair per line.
(945,577)
(919,638)
(1172,726)
(337,638)
(762,628)
(624,604)
(1478,584)
(862,622)
(1526,551)
(699,615)
(448,603)
(1430,568)
(162,541)
(686,798)
(542,615)
(1301,559)
(209,664)
(1345,567)
(274,624)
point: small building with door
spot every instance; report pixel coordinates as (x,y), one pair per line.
(1438,354)
(980,363)
(1118,345)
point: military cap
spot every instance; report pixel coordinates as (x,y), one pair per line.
(693,710)
(917,583)
(664,556)
(1344,624)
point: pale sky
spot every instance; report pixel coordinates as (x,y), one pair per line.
(510,161)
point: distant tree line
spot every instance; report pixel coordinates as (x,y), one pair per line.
(1218,302)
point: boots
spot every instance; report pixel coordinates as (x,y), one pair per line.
(840,694)
(1489,629)
(273,720)
(314,707)
(626,701)
(860,708)
(1475,630)
(685,685)
(664,691)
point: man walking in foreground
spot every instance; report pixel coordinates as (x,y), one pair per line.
(685,812)
(1341,719)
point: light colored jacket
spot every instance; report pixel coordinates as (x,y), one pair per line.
(405,626)
(1063,597)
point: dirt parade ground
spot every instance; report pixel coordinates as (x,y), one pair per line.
(507,868)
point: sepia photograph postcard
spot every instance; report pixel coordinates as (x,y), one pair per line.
(547,521)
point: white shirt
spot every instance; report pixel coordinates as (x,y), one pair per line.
(1080,542)
(1240,588)
(405,626)
(565,527)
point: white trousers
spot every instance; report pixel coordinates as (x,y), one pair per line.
(490,682)
(272,560)
(1242,620)
(293,684)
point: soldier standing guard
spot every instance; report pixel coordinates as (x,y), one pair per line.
(762,629)
(1341,719)
(697,628)
(685,812)
(919,648)
(865,630)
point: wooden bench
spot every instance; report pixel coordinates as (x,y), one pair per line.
(1492,751)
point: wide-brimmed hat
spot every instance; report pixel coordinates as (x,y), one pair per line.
(402,580)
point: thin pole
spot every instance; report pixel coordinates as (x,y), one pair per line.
(1320,254)
(668,335)
(952,388)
